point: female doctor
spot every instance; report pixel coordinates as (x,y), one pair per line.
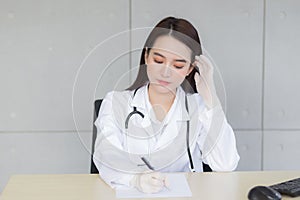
(168,120)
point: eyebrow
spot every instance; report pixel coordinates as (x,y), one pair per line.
(177,60)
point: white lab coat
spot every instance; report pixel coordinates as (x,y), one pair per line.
(166,141)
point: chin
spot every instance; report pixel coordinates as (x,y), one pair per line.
(164,89)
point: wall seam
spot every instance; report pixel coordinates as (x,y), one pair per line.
(263,82)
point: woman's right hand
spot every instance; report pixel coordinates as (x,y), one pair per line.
(150,182)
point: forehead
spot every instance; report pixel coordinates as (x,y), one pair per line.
(171,47)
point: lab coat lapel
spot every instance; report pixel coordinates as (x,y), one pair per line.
(175,122)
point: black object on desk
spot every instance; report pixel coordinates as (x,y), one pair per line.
(290,188)
(263,193)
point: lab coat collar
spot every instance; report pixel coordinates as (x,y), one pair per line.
(141,99)
(138,100)
(182,97)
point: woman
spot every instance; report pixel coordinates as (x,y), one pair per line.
(169,120)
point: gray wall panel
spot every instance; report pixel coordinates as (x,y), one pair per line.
(42,46)
(281,150)
(249,146)
(282,65)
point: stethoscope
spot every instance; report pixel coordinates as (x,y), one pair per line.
(135,111)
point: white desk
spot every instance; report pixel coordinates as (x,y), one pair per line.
(208,186)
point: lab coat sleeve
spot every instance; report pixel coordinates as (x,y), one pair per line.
(107,128)
(217,141)
(113,177)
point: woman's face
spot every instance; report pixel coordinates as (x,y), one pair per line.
(168,63)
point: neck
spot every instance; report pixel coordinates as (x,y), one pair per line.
(164,99)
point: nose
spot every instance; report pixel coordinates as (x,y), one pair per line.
(166,70)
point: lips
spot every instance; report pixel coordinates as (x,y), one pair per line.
(164,83)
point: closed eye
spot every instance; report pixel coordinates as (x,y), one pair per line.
(158,61)
(178,67)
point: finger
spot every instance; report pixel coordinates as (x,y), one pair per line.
(197,78)
(167,182)
(198,58)
(202,66)
(159,178)
(198,63)
(157,182)
(205,60)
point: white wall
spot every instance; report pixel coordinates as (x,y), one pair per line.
(56,57)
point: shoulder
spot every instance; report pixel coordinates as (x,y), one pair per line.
(117,96)
(114,106)
(115,100)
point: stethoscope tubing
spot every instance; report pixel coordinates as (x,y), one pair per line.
(135,111)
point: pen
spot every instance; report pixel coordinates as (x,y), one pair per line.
(147,163)
(152,168)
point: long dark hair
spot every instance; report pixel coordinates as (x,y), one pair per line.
(181,30)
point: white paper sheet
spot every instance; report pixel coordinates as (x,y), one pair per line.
(178,188)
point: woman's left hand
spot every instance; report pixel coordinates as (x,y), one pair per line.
(204,82)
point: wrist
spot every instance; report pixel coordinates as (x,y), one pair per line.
(212,102)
